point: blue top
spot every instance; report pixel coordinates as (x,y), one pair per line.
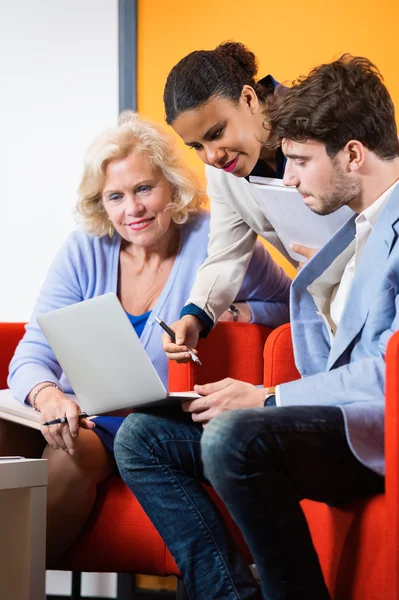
(139,321)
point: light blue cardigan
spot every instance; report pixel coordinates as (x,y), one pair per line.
(87,267)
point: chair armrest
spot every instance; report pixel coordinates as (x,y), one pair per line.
(230,350)
(392,459)
(279,364)
(10,335)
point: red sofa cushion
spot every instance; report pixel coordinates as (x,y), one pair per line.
(10,334)
(230,350)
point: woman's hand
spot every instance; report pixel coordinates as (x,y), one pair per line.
(227,394)
(53,404)
(187,332)
(244,313)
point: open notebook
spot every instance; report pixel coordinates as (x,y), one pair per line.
(12,410)
(292,220)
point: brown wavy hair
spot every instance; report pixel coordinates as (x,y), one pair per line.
(337,102)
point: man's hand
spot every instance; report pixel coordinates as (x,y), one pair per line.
(228,394)
(187,332)
(304,251)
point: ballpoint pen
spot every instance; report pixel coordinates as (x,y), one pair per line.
(12,457)
(62,420)
(172,334)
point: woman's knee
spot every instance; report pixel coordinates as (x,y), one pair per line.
(88,467)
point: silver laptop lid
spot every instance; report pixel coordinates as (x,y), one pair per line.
(101,355)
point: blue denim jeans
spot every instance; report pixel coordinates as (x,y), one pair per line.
(262,462)
(159,458)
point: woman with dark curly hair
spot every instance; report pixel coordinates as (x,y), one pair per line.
(215,103)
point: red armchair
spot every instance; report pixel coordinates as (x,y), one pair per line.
(119,537)
(358,544)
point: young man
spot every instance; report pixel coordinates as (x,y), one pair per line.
(324,439)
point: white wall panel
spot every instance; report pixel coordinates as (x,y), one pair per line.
(58,88)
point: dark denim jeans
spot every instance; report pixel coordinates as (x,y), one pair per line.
(262,462)
(159,458)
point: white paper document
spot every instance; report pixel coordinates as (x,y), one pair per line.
(12,410)
(292,220)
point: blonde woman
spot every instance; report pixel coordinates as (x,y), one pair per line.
(144,237)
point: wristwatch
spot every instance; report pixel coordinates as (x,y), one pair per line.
(234,311)
(270,396)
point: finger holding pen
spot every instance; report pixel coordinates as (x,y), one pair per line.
(53,404)
(59,435)
(180,342)
(61,420)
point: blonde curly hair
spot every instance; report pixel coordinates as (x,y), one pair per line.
(135,134)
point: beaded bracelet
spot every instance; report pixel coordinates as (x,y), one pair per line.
(33,400)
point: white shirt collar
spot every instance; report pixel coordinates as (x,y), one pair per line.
(372,212)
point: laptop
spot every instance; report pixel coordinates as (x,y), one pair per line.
(103,358)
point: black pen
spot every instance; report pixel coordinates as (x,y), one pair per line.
(172,334)
(62,420)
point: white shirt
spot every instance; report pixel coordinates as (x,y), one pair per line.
(364,225)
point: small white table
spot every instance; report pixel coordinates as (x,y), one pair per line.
(23,494)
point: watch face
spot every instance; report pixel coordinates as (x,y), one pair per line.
(270,400)
(234,311)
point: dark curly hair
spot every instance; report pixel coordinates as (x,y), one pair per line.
(339,101)
(204,74)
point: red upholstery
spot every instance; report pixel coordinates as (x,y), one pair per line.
(118,536)
(279,365)
(358,545)
(10,334)
(230,350)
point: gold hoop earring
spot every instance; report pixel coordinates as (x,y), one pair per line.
(110,230)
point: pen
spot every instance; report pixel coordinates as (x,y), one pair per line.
(61,420)
(12,457)
(172,334)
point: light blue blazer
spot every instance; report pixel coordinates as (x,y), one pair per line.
(348,370)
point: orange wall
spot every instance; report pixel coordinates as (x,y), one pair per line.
(287,37)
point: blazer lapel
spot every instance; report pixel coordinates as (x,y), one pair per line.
(367,277)
(306,325)
(326,255)
(391,239)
